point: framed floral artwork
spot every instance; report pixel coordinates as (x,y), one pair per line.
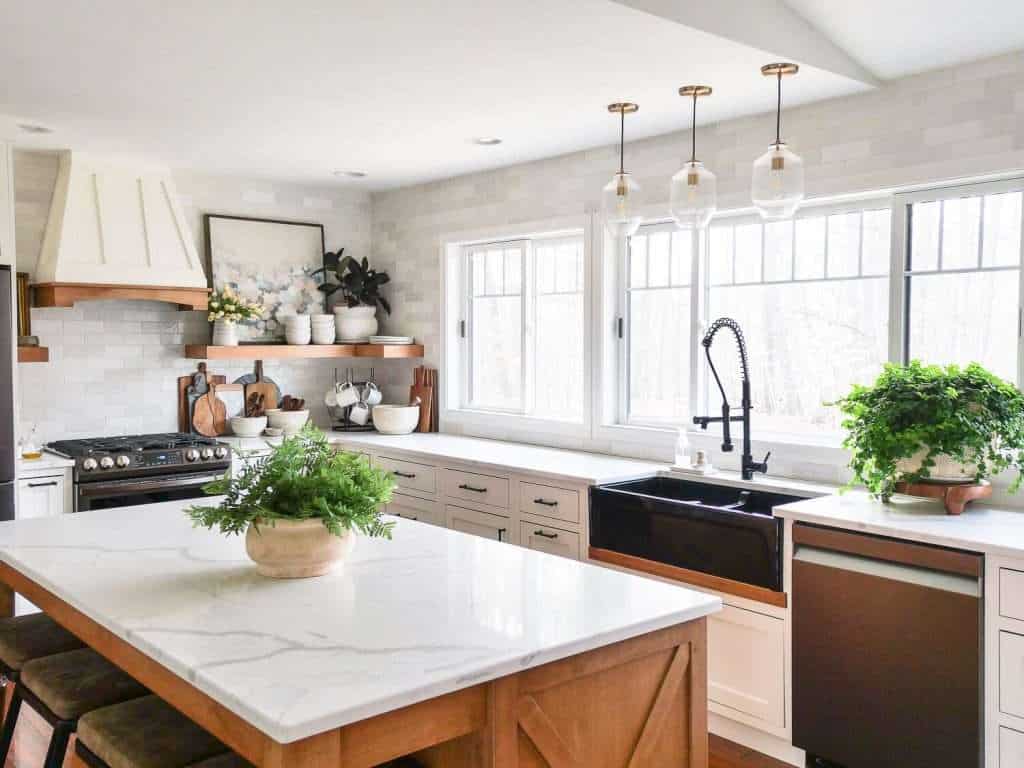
(267,261)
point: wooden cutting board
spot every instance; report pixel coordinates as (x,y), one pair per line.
(186,399)
(209,417)
(420,389)
(265,387)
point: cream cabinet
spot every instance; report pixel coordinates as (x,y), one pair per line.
(547,538)
(413,508)
(45,496)
(485,524)
(1011,748)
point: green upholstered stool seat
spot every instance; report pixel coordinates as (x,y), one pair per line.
(23,638)
(75,682)
(146,733)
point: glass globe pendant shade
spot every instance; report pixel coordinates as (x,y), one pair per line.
(620,206)
(693,195)
(777,186)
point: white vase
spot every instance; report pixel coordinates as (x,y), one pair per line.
(296,549)
(355,323)
(225,334)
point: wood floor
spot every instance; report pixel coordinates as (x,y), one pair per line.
(33,734)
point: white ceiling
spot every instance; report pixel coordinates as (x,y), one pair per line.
(398,88)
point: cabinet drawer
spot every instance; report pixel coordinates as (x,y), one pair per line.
(479,523)
(546,538)
(1011,673)
(746,664)
(408,475)
(547,501)
(473,487)
(412,508)
(1011,748)
(41,497)
(1011,593)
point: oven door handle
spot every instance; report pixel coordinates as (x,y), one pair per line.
(142,486)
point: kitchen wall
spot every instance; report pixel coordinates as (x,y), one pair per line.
(114,364)
(943,125)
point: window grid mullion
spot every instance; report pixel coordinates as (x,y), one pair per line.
(942,230)
(981,232)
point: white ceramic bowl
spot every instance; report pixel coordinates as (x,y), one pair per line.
(248,426)
(297,320)
(396,419)
(323,335)
(290,422)
(298,336)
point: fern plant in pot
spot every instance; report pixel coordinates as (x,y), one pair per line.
(355,314)
(928,424)
(301,507)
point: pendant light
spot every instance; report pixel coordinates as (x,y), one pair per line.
(777,187)
(693,190)
(619,196)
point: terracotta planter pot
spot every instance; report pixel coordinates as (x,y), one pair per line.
(296,549)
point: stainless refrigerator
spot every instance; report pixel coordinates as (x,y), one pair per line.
(6,395)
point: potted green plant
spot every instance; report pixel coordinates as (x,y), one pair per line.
(924,423)
(301,507)
(226,308)
(356,314)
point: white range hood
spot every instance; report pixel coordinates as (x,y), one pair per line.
(117,231)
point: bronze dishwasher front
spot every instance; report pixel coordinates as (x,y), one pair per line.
(887,650)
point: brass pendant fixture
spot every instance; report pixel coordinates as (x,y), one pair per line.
(619,196)
(777,184)
(693,189)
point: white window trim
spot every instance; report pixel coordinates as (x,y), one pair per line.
(454,415)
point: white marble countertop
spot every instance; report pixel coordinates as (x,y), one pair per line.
(406,620)
(575,466)
(981,528)
(48,461)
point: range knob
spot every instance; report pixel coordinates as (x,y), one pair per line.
(106,463)
(89,464)
(191,454)
(123,461)
(221,452)
(207,454)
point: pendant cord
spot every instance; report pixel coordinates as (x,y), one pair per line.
(693,138)
(622,141)
(778,112)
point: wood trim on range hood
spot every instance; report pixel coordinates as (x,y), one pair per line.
(66,294)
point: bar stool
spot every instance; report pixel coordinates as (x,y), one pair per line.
(148,733)
(62,688)
(23,638)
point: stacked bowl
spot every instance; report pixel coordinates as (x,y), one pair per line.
(323,329)
(297,329)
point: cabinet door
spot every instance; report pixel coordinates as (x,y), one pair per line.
(746,664)
(40,497)
(546,538)
(479,523)
(412,508)
(1011,748)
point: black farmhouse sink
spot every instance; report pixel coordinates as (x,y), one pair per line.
(715,529)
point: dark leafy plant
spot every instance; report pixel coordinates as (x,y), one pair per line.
(359,284)
(965,413)
(304,478)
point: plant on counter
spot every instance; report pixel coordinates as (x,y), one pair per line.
(300,506)
(229,307)
(917,417)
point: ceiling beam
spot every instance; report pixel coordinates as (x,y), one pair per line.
(768,25)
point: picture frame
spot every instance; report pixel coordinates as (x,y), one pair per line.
(270,261)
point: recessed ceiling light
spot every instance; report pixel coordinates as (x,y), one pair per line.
(487,141)
(33,128)
(352,174)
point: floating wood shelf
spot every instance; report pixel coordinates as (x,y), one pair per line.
(296,352)
(66,294)
(33,355)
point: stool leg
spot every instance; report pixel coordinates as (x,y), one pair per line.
(7,734)
(58,744)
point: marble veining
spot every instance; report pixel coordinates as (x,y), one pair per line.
(430,612)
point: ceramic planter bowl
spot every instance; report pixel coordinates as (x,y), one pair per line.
(248,426)
(296,549)
(290,422)
(355,323)
(946,469)
(396,419)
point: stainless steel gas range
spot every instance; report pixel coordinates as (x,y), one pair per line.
(142,469)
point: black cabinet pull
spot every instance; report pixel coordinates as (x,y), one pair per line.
(474,489)
(42,485)
(545,502)
(501,533)
(410,517)
(543,535)
(406,475)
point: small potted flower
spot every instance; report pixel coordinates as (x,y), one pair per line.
(226,308)
(300,508)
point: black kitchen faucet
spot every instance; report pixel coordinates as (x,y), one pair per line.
(748,465)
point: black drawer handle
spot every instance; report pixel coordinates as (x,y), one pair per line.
(501,533)
(42,485)
(543,535)
(473,488)
(406,475)
(545,502)
(409,517)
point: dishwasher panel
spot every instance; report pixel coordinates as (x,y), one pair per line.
(887,640)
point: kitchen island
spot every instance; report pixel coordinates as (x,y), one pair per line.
(462,651)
